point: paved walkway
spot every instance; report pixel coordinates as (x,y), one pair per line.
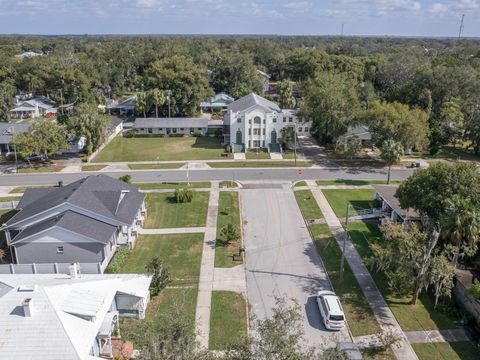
(170,190)
(186,230)
(432,336)
(383,314)
(205,285)
(276,156)
(239,156)
(230,279)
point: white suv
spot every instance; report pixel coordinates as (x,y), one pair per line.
(331,310)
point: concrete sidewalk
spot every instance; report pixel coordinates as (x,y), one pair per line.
(383,314)
(205,285)
(186,230)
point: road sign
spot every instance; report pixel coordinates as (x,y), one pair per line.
(299,171)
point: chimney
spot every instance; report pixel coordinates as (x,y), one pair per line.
(73,268)
(27,305)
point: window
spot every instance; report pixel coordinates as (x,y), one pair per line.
(59,249)
(256,131)
(199,129)
(263,131)
(264,121)
(250,121)
(169,130)
(160,129)
(192,130)
(249,143)
(299,129)
(256,143)
(142,129)
(257,120)
(150,130)
(174,130)
(306,129)
(249,131)
(274,120)
(182,129)
(284,119)
(263,143)
(290,119)
(239,120)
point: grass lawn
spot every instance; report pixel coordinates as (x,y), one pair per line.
(358,198)
(355,182)
(421,316)
(93,167)
(21,189)
(461,350)
(10,198)
(260,155)
(39,169)
(155,166)
(308,204)
(164,212)
(159,149)
(228,319)
(300,183)
(181,254)
(228,184)
(357,310)
(170,302)
(258,164)
(173,185)
(228,213)
(447,152)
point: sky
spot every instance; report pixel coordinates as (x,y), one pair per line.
(284,17)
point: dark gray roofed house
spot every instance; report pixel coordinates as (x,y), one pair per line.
(7,130)
(84,221)
(391,204)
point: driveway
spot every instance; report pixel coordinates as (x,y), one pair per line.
(281,258)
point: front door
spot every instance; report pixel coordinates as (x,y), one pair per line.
(239,137)
(274,137)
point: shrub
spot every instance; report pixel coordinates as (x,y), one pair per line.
(229,233)
(176,135)
(160,276)
(183,195)
(475,289)
(84,158)
(126,179)
(118,260)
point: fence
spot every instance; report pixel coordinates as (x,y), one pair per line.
(467,301)
(50,268)
(8,205)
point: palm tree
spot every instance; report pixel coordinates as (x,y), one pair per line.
(142,103)
(391,152)
(462,223)
(157,97)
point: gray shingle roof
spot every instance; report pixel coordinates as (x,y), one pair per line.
(7,129)
(97,193)
(72,221)
(251,100)
(170,123)
(387,192)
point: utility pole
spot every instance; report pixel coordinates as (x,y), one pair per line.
(341,34)
(188,176)
(295,143)
(345,237)
(169,93)
(460,31)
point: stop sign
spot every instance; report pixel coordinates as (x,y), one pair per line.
(299,171)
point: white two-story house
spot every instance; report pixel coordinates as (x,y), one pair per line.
(253,122)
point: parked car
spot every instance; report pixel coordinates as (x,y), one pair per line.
(34,158)
(331,310)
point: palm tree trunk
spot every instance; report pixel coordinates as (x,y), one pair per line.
(156,111)
(388,176)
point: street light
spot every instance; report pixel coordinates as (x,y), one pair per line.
(295,142)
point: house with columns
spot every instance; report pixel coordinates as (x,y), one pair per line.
(253,122)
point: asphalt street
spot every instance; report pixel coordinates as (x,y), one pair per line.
(264,175)
(281,259)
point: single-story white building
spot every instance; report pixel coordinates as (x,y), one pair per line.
(391,205)
(171,126)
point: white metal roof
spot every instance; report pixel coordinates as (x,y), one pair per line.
(52,332)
